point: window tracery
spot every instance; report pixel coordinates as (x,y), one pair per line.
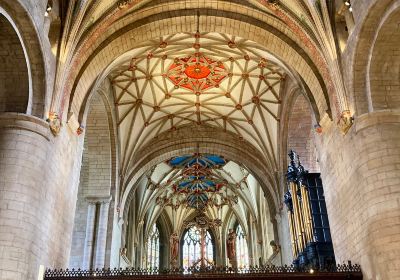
(242,253)
(153,248)
(191,248)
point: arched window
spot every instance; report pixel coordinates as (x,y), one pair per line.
(153,248)
(242,252)
(191,248)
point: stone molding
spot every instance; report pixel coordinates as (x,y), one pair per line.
(25,122)
(377,118)
(98,199)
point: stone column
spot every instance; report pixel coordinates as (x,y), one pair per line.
(361,177)
(38,186)
(102,233)
(89,236)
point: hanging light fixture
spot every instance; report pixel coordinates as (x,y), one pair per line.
(48,10)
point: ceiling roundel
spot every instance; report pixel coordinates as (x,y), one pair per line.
(196,72)
(198,79)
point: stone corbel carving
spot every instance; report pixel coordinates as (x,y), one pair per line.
(123,3)
(54,123)
(318,128)
(80,130)
(74,124)
(346,121)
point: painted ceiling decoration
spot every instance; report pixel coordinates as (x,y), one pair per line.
(197,183)
(196,73)
(205,161)
(163,189)
(198,79)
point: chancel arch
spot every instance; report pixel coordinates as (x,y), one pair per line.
(201,195)
(155,94)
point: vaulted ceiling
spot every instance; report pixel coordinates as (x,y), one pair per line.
(198,79)
(228,191)
(166,77)
(96,11)
(94,26)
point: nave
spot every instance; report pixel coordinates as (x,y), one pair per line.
(199,139)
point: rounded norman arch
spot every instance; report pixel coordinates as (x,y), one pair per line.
(368,44)
(15,82)
(28,36)
(383,74)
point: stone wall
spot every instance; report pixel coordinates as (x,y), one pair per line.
(301,134)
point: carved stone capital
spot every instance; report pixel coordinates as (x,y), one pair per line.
(80,130)
(98,199)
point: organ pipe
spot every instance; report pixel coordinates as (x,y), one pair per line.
(299,211)
(308,213)
(292,234)
(305,208)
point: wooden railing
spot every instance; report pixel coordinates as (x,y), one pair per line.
(344,271)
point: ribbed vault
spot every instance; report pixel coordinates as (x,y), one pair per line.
(234,197)
(198,79)
(203,140)
(157,191)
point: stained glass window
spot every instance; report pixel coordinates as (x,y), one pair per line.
(242,252)
(191,248)
(153,248)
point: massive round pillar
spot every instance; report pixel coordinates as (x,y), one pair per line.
(37,194)
(361,183)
